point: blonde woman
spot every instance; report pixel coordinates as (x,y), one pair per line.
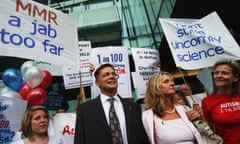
(165,121)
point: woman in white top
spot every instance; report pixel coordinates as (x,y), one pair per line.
(35,127)
(164,120)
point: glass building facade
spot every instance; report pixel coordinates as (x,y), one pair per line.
(135,25)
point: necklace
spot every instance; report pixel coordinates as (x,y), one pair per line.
(171,112)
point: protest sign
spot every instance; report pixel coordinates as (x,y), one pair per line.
(11,113)
(118,57)
(147,63)
(199,43)
(74,77)
(34,31)
(63,125)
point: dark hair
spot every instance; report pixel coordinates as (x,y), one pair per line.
(64,105)
(96,73)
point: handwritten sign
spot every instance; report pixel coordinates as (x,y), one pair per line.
(81,76)
(147,63)
(199,43)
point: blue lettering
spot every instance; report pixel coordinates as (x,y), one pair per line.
(195,42)
(191,29)
(43,30)
(15,21)
(16,39)
(195,56)
(180,32)
(53,49)
(210,52)
(219,50)
(29,42)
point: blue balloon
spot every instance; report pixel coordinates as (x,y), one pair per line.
(12,78)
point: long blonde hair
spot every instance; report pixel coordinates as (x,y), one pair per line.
(154,99)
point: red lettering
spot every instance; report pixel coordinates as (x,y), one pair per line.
(48,16)
(120,71)
(28,6)
(66,130)
(40,13)
(52,16)
(4,124)
(72,131)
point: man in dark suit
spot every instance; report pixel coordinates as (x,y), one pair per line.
(92,123)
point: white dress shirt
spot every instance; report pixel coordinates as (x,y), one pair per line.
(119,111)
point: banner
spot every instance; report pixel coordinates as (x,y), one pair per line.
(200,43)
(11,113)
(118,57)
(147,63)
(205,77)
(34,31)
(63,125)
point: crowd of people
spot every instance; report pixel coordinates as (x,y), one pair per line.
(167,118)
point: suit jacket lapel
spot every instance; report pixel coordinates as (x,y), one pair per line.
(128,116)
(99,112)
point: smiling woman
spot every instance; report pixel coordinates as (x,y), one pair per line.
(35,127)
(222,108)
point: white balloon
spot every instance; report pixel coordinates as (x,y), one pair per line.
(33,76)
(26,65)
(3,90)
(9,93)
(2,85)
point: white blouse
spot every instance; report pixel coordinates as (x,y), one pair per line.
(52,140)
(172,132)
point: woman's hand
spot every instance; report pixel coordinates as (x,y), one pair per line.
(193,115)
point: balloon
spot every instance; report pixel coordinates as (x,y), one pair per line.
(24,90)
(47,79)
(3,90)
(12,78)
(9,93)
(36,96)
(33,76)
(2,85)
(26,65)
